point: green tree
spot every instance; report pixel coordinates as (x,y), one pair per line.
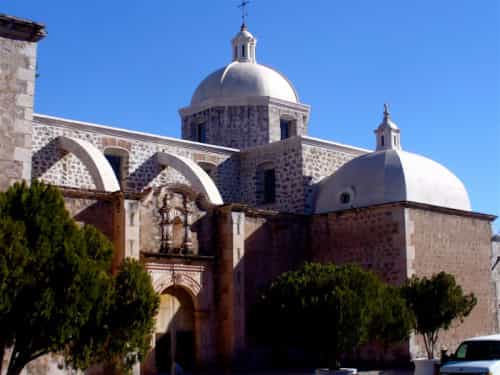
(391,320)
(436,302)
(55,282)
(321,306)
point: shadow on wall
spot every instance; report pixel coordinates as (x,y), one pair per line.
(139,179)
(274,244)
(43,159)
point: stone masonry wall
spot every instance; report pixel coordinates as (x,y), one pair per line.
(285,158)
(459,245)
(495,264)
(273,244)
(17,86)
(319,162)
(243,126)
(299,121)
(373,237)
(231,126)
(56,167)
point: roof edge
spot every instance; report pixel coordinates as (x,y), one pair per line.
(416,205)
(120,132)
(21,29)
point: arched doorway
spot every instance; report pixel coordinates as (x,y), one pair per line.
(175,331)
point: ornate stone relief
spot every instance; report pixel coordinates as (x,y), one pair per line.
(169,214)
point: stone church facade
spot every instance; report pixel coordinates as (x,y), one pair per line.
(245,195)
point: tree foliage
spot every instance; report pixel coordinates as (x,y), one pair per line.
(56,290)
(436,302)
(328,308)
(391,320)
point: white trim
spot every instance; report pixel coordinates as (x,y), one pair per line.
(95,161)
(198,178)
(250,100)
(136,135)
(311,141)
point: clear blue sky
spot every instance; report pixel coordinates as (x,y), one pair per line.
(134,63)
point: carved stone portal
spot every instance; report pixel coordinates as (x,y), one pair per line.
(169,218)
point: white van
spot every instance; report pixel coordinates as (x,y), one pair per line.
(475,356)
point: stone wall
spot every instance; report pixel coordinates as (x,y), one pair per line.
(285,158)
(274,243)
(251,124)
(231,126)
(142,170)
(17,81)
(320,160)
(460,245)
(374,238)
(298,119)
(495,265)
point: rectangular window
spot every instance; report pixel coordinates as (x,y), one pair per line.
(285,129)
(382,140)
(202,133)
(243,51)
(269,186)
(116,163)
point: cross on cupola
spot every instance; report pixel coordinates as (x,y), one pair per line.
(244,14)
(388,133)
(244,42)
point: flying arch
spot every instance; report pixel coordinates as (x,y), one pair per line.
(199,179)
(95,161)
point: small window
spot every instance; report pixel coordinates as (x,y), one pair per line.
(395,141)
(345,198)
(118,159)
(269,186)
(202,133)
(284,129)
(116,163)
(243,51)
(382,140)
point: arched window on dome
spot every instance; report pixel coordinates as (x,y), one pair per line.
(288,127)
(118,158)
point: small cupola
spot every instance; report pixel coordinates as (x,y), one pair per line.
(388,133)
(244,46)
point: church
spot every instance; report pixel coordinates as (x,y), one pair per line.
(243,196)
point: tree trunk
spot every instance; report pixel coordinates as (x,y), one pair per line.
(2,353)
(16,363)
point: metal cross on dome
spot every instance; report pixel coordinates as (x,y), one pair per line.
(243,7)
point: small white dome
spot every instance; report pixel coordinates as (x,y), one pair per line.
(244,79)
(391,176)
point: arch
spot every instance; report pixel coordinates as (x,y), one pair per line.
(209,168)
(198,178)
(179,279)
(95,161)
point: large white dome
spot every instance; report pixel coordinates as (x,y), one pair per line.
(244,79)
(391,176)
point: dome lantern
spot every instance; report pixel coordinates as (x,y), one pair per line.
(388,133)
(244,44)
